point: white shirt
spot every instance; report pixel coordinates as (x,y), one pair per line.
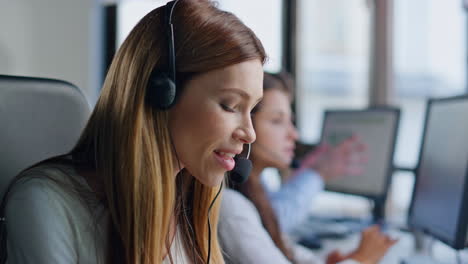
(244,239)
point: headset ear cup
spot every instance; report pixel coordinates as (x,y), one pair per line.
(161,92)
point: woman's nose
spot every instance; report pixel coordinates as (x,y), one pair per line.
(293,133)
(246,132)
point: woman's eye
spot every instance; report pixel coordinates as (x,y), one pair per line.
(277,121)
(227,108)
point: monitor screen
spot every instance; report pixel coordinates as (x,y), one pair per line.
(377,128)
(438,196)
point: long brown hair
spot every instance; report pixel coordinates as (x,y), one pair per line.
(253,189)
(282,81)
(127,143)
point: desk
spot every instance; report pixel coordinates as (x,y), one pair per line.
(346,205)
(402,249)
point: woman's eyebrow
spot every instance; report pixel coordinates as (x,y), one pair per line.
(240,92)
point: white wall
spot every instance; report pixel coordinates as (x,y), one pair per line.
(52,38)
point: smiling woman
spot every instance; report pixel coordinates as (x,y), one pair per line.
(137,186)
(219,122)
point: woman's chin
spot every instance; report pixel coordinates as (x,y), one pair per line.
(210,180)
(280,165)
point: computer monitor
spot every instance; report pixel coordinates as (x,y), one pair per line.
(377,128)
(439,205)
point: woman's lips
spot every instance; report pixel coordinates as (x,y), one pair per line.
(226,161)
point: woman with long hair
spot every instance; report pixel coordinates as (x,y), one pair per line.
(249,228)
(173,112)
(300,184)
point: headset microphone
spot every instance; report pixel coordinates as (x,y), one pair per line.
(242,170)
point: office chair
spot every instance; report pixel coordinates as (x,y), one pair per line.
(39,118)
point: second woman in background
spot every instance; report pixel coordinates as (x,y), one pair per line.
(249,228)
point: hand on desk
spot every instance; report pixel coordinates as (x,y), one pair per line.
(373,246)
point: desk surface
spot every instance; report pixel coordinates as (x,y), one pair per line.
(404,248)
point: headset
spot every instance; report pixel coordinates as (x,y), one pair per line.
(161,87)
(242,169)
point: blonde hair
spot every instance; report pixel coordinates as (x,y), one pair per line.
(128,143)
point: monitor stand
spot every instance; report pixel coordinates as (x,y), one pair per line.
(423,251)
(378,210)
(420,259)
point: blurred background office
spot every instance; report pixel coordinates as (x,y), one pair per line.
(342,53)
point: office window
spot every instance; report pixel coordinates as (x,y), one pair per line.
(430,61)
(264,17)
(130,12)
(332,60)
(399,198)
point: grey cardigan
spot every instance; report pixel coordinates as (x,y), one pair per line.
(47,223)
